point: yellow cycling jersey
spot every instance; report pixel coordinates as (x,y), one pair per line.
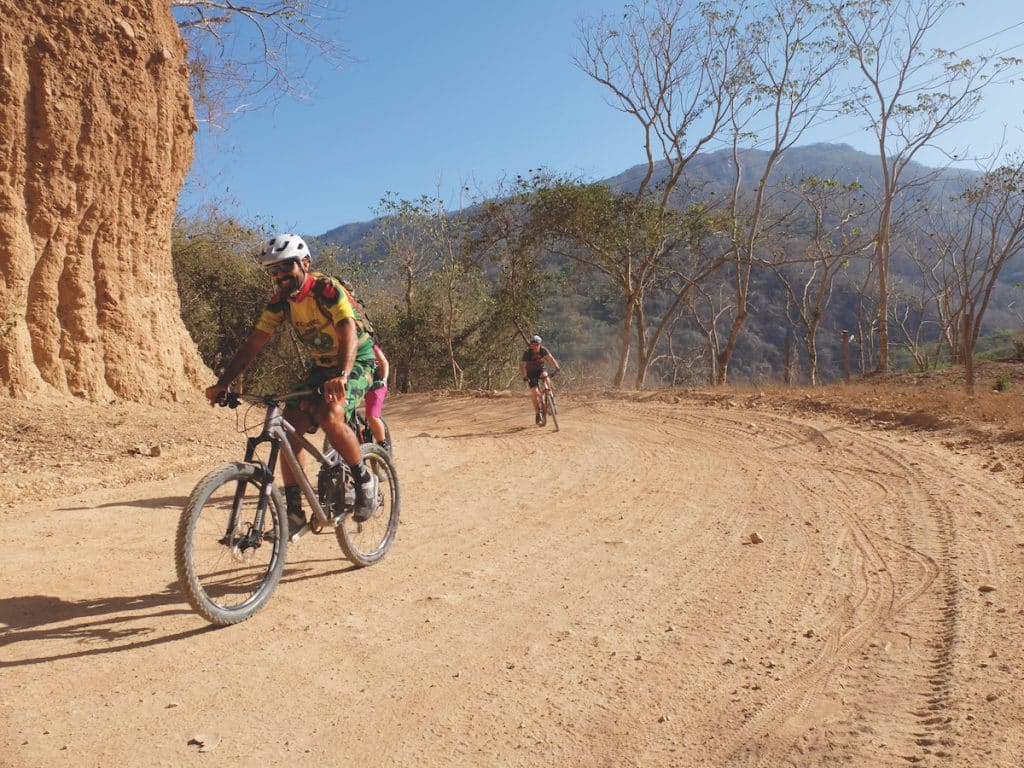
(315,311)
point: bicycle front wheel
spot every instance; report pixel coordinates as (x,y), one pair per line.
(551,408)
(229,563)
(367,542)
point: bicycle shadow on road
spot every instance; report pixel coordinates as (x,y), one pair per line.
(298,570)
(99,622)
(176,502)
(102,622)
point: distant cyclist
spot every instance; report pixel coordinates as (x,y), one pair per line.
(532,367)
(324,320)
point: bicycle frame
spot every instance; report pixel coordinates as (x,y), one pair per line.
(276,431)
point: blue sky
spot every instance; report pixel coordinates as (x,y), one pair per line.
(465,91)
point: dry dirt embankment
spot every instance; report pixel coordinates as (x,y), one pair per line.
(586,597)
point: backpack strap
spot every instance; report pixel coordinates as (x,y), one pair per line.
(325,292)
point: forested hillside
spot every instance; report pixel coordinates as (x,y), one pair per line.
(454,292)
(579,312)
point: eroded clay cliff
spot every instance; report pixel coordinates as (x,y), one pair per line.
(96,130)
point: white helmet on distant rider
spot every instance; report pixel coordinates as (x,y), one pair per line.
(535,340)
(284,247)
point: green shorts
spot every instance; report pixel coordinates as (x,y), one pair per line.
(360,379)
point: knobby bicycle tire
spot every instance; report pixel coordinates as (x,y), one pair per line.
(551,408)
(367,542)
(363,435)
(227,576)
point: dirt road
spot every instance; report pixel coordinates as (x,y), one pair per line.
(590,597)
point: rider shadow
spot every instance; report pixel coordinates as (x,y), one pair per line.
(484,433)
(100,622)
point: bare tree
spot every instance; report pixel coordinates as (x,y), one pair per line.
(920,304)
(246,55)
(790,63)
(984,230)
(910,96)
(669,65)
(694,75)
(403,241)
(828,236)
(458,281)
(706,310)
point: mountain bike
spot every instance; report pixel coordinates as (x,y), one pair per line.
(233,534)
(549,408)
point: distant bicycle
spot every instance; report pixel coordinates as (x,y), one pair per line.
(233,534)
(549,408)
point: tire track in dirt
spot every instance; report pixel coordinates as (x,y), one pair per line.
(768,735)
(752,435)
(957,619)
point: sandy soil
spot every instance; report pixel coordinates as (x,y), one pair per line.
(590,597)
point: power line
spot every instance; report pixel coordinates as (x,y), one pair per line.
(993,34)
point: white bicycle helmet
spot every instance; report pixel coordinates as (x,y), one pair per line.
(283,247)
(535,340)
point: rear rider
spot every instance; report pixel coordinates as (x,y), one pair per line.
(318,308)
(532,367)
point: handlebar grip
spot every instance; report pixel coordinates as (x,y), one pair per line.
(227,399)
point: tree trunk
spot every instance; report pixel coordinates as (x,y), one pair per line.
(725,355)
(966,337)
(626,334)
(787,359)
(812,354)
(95,141)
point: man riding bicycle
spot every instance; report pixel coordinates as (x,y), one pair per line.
(318,308)
(532,367)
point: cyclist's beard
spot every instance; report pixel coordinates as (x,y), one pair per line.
(288,284)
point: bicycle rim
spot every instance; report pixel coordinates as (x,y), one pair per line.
(367,542)
(225,571)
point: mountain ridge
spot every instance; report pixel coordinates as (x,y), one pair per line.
(713,171)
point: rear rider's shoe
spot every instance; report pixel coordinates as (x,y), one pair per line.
(540,419)
(366,498)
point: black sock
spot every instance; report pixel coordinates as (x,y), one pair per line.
(358,473)
(293,499)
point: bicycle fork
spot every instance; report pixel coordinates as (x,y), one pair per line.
(265,478)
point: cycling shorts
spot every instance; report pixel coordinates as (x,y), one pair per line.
(360,379)
(375,400)
(533,379)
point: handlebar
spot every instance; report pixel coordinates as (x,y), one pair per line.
(234,399)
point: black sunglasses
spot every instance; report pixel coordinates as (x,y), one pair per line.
(285,266)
